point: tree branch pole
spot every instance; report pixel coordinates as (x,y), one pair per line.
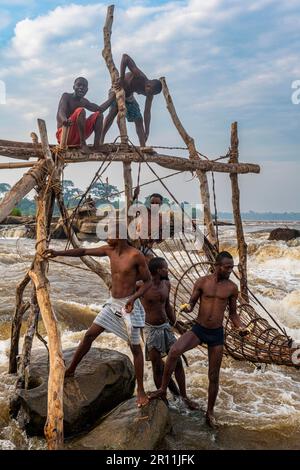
(54,424)
(242,246)
(189,141)
(21,308)
(8,166)
(21,188)
(28,340)
(120,97)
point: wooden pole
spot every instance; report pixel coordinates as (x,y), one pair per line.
(28,340)
(120,97)
(7,166)
(190,143)
(54,424)
(21,308)
(21,188)
(242,246)
(166,161)
(64,137)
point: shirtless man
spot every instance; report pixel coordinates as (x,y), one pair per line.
(215,292)
(158,332)
(134,81)
(153,233)
(71,113)
(128,266)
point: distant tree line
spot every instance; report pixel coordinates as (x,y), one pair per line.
(103,192)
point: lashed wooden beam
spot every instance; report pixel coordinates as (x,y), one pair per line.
(21,189)
(166,161)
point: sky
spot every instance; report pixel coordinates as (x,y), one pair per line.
(224,61)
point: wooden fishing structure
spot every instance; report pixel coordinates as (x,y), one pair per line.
(268,342)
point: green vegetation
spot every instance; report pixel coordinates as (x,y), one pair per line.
(16,212)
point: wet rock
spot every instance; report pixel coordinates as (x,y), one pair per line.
(103,379)
(284,234)
(88,227)
(129,428)
(18,220)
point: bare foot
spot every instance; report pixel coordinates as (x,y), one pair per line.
(158,394)
(142,399)
(191,405)
(85,149)
(69,373)
(211,420)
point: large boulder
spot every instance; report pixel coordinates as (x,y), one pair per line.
(128,428)
(284,234)
(102,380)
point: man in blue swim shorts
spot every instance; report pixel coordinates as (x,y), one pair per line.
(215,292)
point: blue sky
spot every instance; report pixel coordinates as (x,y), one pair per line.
(224,60)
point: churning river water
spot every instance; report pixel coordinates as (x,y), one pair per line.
(256,408)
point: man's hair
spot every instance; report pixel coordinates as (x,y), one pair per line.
(156,86)
(156,195)
(222,255)
(155,264)
(80,78)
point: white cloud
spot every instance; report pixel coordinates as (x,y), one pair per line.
(191,42)
(31,36)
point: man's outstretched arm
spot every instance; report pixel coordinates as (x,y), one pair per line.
(127,61)
(77,252)
(95,107)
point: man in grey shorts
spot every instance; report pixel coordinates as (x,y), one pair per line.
(158,332)
(128,266)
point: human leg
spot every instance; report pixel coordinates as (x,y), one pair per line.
(91,334)
(81,124)
(139,126)
(180,379)
(186,342)
(138,361)
(215,354)
(108,122)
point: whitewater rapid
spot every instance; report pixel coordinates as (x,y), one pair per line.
(256,408)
